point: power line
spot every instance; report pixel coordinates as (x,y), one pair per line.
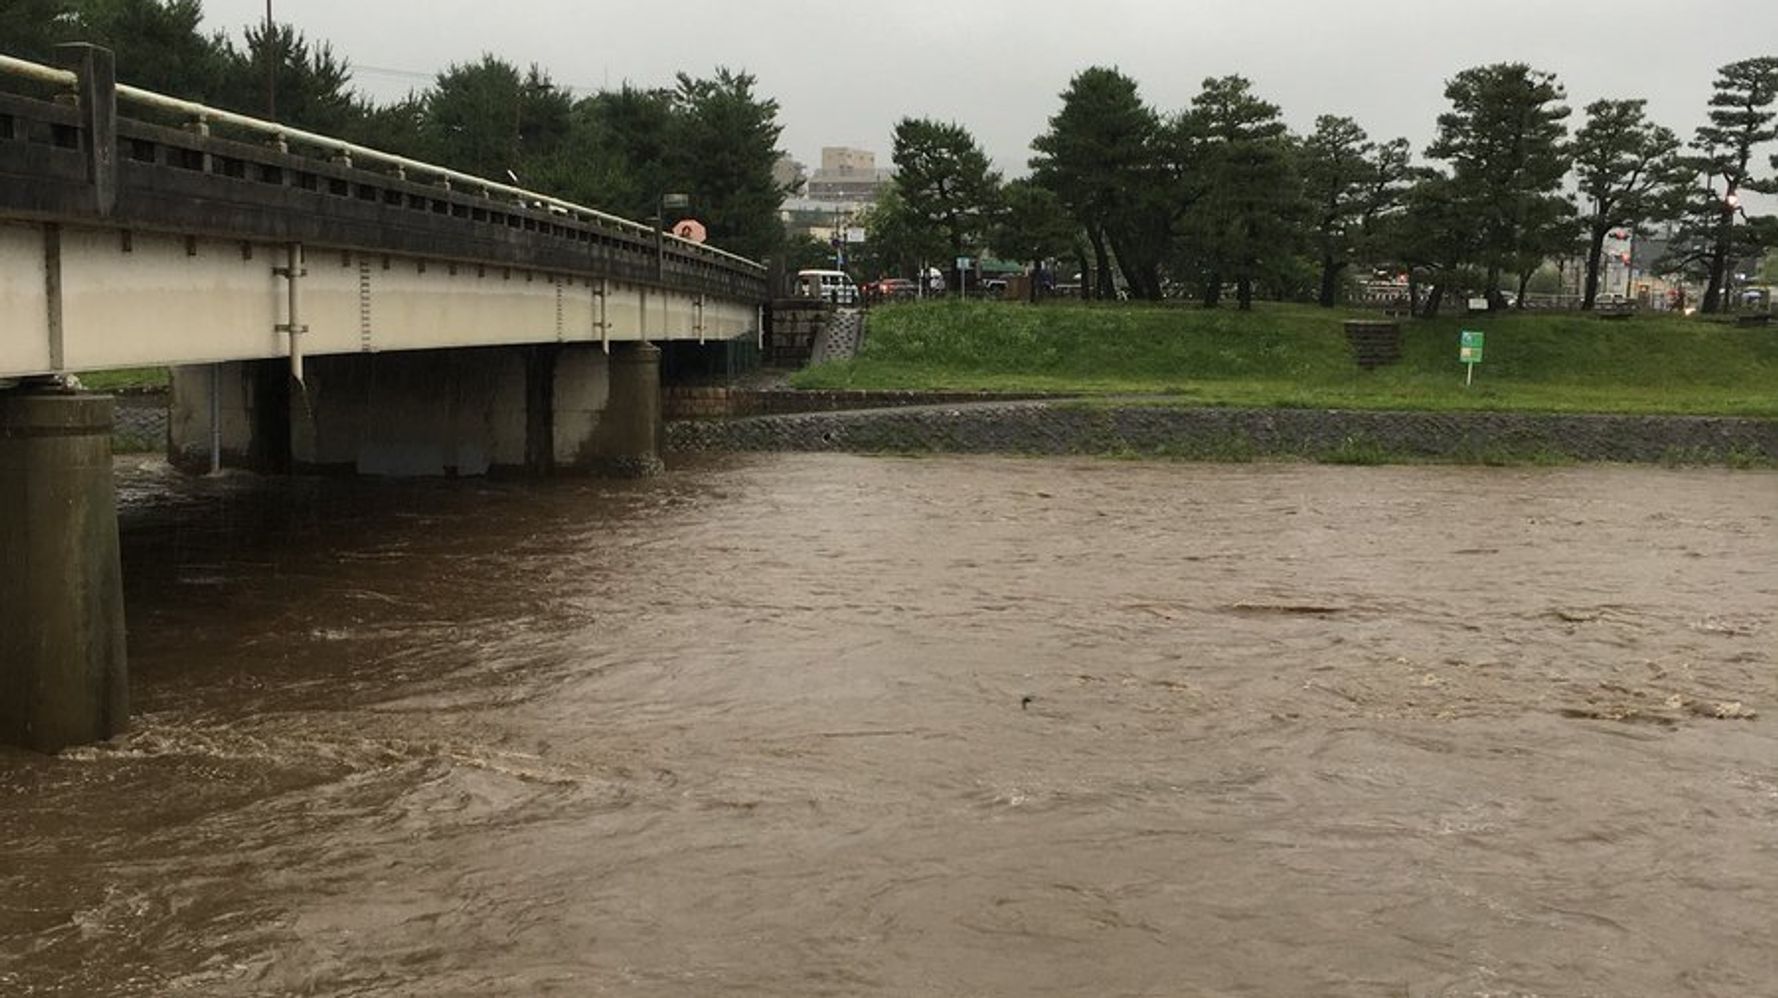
(411,74)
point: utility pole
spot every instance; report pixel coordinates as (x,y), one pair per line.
(271,66)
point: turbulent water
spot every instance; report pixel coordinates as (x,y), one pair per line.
(824,725)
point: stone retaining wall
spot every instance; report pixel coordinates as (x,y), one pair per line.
(140,423)
(1241,434)
(841,339)
(721,401)
(792,325)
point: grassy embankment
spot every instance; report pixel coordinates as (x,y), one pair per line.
(1296,356)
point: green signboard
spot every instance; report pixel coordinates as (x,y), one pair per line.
(1470,348)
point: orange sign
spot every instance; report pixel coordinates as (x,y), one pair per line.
(691,229)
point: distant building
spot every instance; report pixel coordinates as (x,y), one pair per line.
(822,220)
(790,175)
(848,176)
(828,205)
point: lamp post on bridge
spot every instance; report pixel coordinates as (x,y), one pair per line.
(660,230)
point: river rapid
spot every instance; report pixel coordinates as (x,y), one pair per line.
(806,725)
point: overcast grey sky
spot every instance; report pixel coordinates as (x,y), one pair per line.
(845,71)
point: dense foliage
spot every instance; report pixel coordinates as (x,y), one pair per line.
(1220,196)
(714,139)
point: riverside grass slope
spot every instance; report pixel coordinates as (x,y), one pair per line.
(1295,356)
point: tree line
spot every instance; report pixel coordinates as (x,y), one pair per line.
(713,138)
(1221,195)
(1216,197)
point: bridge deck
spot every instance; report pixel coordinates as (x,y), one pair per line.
(128,242)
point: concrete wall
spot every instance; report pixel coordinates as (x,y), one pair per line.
(191,414)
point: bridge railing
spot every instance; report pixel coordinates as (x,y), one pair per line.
(351,196)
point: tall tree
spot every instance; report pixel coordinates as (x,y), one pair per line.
(311,85)
(487,118)
(1097,151)
(615,156)
(1741,120)
(1033,227)
(1247,219)
(724,144)
(398,127)
(30,29)
(1628,170)
(1430,239)
(944,178)
(1390,175)
(896,241)
(1506,142)
(159,44)
(1336,173)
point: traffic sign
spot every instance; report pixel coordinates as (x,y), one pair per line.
(1469,352)
(1470,347)
(692,229)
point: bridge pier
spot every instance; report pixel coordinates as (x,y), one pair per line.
(62,656)
(626,440)
(538,410)
(233,415)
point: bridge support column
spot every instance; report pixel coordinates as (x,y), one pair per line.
(626,439)
(234,415)
(62,661)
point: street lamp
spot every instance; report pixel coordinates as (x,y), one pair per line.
(660,230)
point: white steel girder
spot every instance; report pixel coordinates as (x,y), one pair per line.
(77,298)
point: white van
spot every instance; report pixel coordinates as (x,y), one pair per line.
(828,285)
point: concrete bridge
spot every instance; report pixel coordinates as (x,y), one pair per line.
(322,306)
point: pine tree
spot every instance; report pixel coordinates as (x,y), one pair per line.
(1336,170)
(1628,170)
(1098,156)
(1506,142)
(1713,237)
(1246,219)
(943,178)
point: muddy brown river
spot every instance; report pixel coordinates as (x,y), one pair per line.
(827,725)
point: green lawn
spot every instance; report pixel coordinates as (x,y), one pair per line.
(1290,355)
(133,377)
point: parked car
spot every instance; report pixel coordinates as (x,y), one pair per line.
(828,285)
(898,287)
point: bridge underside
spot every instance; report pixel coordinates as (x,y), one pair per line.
(86,298)
(539,409)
